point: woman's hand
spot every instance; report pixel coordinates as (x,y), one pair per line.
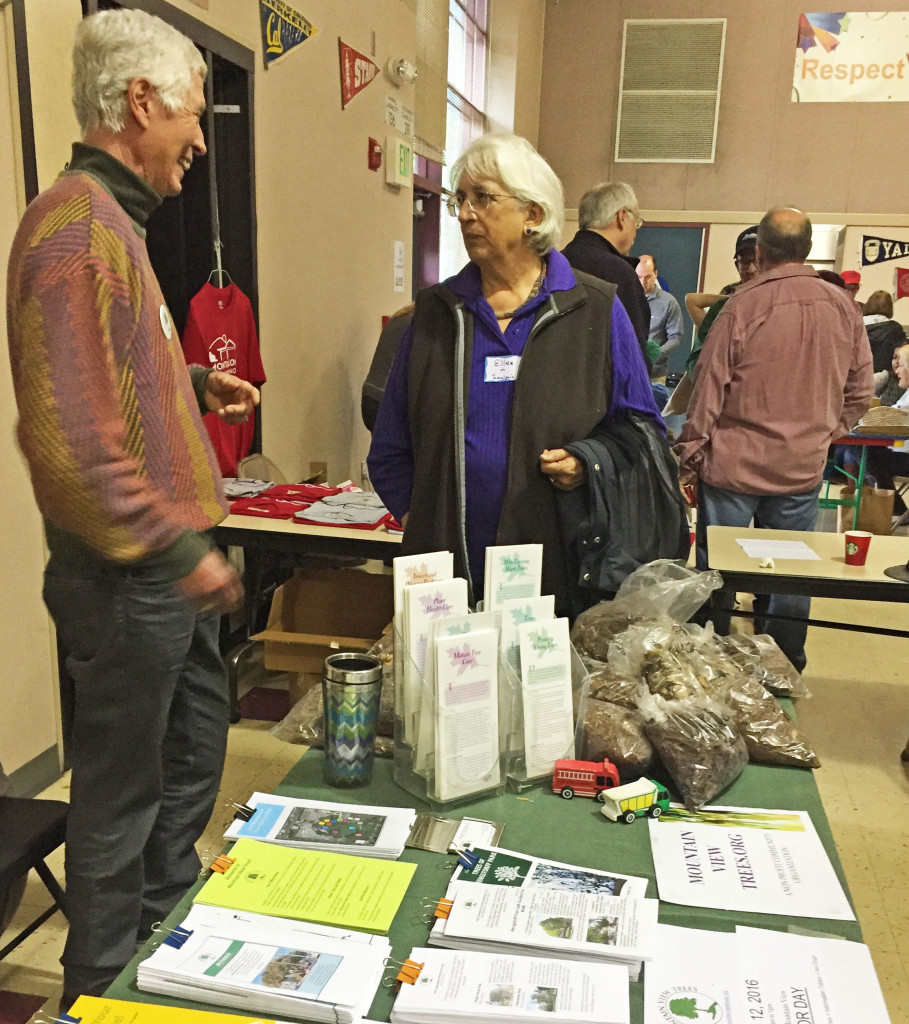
(563,469)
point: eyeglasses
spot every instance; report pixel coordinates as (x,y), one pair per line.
(479,201)
(746,261)
(638,219)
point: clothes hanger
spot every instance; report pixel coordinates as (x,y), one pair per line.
(218,245)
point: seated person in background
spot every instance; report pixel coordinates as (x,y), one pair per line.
(466,452)
(887,387)
(665,318)
(884,333)
(883,464)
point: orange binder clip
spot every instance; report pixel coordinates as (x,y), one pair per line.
(410,971)
(443,908)
(222,862)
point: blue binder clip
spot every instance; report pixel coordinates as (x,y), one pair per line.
(468,859)
(65,1018)
(177,937)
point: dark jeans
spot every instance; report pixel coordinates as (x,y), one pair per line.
(719,507)
(146,742)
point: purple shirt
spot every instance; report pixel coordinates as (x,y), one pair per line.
(489,406)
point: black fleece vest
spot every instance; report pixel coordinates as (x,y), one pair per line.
(562,392)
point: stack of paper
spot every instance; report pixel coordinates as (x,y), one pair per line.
(552,923)
(317,825)
(760,975)
(512,571)
(267,964)
(310,885)
(493,987)
(101,1010)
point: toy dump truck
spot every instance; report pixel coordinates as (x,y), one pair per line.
(625,803)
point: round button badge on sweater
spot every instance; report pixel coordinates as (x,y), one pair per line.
(167,325)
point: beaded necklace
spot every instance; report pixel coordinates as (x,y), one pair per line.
(534,292)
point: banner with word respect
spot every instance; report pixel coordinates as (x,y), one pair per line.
(851,56)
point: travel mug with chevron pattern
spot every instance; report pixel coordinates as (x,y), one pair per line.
(351,687)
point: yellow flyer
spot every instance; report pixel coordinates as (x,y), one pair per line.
(310,885)
(96,1010)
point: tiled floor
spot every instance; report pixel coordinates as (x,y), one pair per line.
(858,719)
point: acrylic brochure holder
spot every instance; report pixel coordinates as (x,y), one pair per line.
(517,696)
(437,757)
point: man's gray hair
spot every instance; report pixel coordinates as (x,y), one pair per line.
(601,203)
(515,167)
(114,47)
(784,239)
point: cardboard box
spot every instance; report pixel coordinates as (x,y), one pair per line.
(321,611)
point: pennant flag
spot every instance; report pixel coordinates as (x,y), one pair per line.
(902,282)
(879,250)
(357,71)
(283,28)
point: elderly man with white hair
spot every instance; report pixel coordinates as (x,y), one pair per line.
(129,490)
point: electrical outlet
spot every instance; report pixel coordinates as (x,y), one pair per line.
(318,473)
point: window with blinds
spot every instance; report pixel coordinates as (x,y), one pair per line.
(465,120)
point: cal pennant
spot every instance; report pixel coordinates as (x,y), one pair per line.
(902,282)
(283,28)
(357,71)
(879,250)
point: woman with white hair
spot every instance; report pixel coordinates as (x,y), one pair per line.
(504,364)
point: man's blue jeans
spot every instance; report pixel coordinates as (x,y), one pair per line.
(719,507)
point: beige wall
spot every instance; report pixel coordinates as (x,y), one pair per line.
(841,157)
(326,232)
(28,720)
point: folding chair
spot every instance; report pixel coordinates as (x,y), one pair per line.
(31,830)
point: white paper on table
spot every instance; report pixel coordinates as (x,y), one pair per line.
(693,976)
(467,723)
(516,611)
(546,692)
(794,550)
(786,977)
(487,986)
(741,858)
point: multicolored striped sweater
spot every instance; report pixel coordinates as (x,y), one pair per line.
(109,417)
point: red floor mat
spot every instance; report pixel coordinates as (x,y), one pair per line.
(264,705)
(16,1008)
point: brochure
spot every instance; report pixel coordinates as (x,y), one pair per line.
(554,923)
(467,723)
(741,858)
(278,968)
(515,612)
(318,825)
(310,885)
(496,866)
(546,691)
(471,986)
(514,570)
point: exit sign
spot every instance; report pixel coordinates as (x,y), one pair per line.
(398,162)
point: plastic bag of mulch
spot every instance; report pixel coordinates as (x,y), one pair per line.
(698,743)
(769,733)
(616,733)
(762,658)
(609,684)
(655,591)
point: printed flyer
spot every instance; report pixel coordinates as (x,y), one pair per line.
(740,858)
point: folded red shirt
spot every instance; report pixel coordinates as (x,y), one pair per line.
(267,508)
(300,492)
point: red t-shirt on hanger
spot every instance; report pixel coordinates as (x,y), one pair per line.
(220,333)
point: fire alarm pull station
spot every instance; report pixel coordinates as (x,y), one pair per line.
(374,157)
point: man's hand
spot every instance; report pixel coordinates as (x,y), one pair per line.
(229,397)
(212,585)
(688,485)
(563,469)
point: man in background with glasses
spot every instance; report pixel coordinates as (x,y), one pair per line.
(608,221)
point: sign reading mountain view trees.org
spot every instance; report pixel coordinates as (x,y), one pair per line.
(852,56)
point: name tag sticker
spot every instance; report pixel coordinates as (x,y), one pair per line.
(501,368)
